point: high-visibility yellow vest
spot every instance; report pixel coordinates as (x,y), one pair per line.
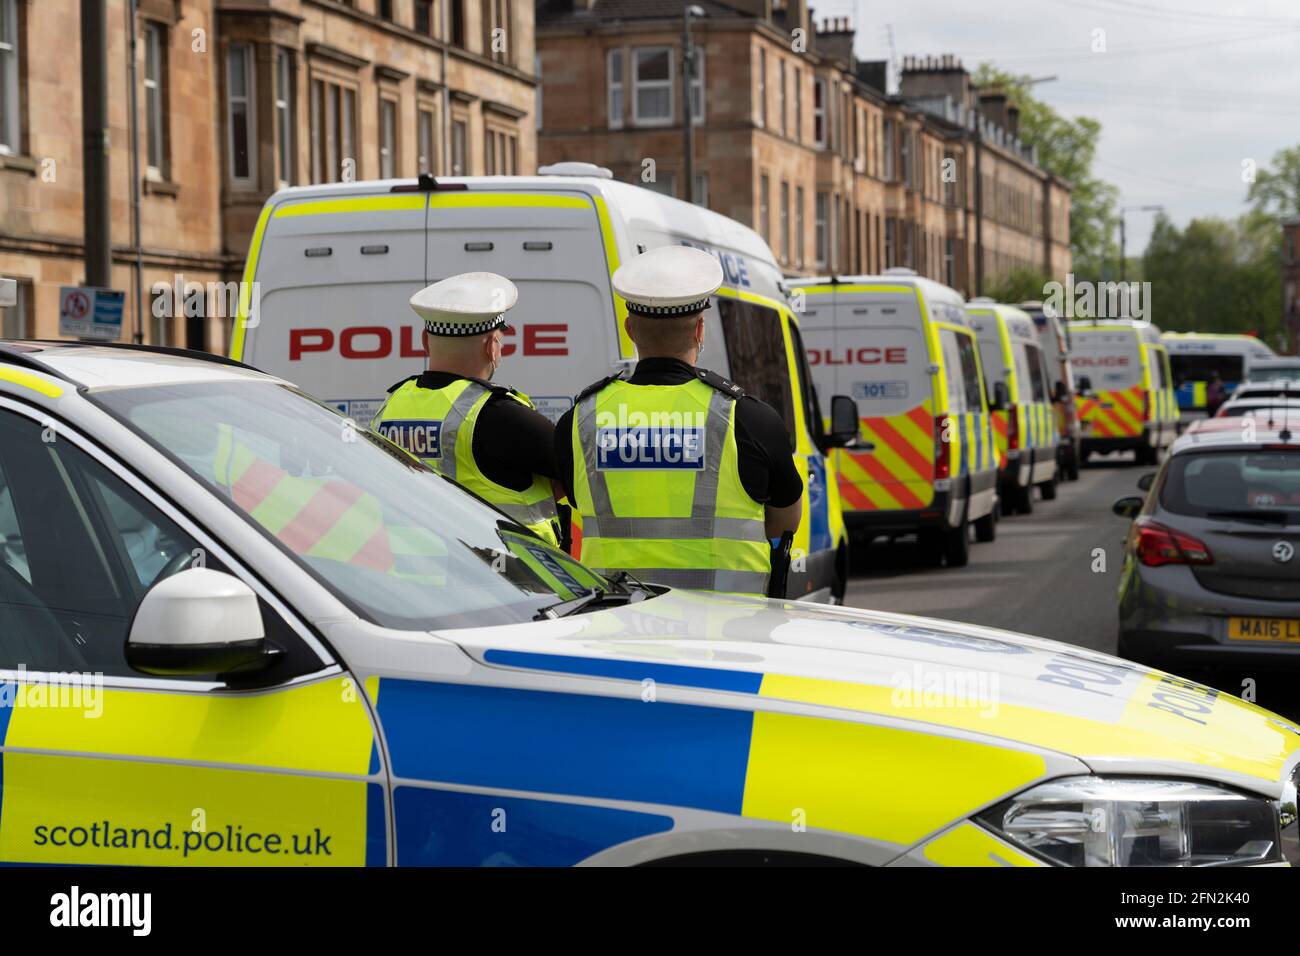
(658,488)
(437,426)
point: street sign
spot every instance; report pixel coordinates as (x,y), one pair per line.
(8,293)
(89,313)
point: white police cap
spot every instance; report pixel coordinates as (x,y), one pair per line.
(467,304)
(668,281)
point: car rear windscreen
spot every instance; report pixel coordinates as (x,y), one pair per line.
(1235,484)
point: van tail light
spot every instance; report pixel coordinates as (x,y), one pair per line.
(1156,545)
(942,460)
(1013,428)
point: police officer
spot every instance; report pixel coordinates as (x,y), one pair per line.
(486,437)
(678,476)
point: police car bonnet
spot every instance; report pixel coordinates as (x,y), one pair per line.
(668,281)
(467,304)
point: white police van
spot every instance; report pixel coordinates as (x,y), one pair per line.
(331,268)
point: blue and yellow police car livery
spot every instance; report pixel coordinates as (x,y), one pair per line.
(244,697)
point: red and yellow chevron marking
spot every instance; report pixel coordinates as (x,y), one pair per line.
(899,472)
(1001,421)
(1123,419)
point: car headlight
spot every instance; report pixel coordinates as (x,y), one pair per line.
(1127,821)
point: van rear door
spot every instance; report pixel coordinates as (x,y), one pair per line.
(1110,359)
(331,313)
(868,342)
(562,334)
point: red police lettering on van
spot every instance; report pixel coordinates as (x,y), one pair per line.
(376,341)
(895,355)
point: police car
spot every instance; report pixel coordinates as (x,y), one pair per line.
(236,630)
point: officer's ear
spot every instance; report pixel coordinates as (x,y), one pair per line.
(424,340)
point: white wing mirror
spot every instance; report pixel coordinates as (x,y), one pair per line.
(199,621)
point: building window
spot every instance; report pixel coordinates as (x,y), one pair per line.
(496,30)
(457,22)
(160,318)
(764,213)
(905,157)
(697,86)
(614,84)
(155,100)
(702,189)
(426,140)
(819,231)
(891,257)
(10,128)
(762,88)
(888,138)
(798,226)
(785,222)
(819,112)
(333,131)
(386,9)
(424,17)
(652,84)
(14,318)
(285,125)
(798,105)
(664,183)
(387,138)
(785,128)
(500,148)
(459,138)
(239,112)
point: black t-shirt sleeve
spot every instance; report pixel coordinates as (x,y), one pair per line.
(513,442)
(564,451)
(766,462)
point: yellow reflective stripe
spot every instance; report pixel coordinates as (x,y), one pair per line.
(883,783)
(971,845)
(625,347)
(317,207)
(246,288)
(322,726)
(36,383)
(753,297)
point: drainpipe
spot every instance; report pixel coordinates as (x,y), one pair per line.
(133,84)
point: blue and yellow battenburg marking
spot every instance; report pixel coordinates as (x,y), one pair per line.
(882,783)
(162,787)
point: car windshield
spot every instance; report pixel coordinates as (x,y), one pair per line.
(402,546)
(1235,483)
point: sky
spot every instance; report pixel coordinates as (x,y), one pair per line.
(1185,90)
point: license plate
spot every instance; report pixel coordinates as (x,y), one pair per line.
(1264,629)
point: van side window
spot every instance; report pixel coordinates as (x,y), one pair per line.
(1156,359)
(756,355)
(1037,377)
(970,373)
(955,372)
(811,400)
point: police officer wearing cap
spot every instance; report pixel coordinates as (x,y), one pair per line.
(486,437)
(678,476)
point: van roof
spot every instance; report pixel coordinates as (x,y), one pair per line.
(1207,341)
(640,209)
(1147,331)
(931,290)
(1025,329)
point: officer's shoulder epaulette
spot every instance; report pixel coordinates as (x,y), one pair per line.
(596,386)
(396,385)
(714,380)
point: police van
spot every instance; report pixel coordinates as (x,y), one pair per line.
(1126,395)
(1024,423)
(1196,357)
(902,347)
(331,268)
(1055,339)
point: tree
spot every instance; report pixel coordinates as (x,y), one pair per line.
(1020,284)
(1067,148)
(1276,192)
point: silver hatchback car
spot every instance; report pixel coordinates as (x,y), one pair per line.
(1211,577)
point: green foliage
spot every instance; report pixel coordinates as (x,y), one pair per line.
(1276,192)
(1216,275)
(1020,284)
(1067,148)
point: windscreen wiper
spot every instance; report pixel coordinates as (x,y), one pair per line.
(565,608)
(1270,516)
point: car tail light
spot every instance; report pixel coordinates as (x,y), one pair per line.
(1156,545)
(1013,428)
(942,466)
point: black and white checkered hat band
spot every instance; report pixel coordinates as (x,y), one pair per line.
(455,328)
(667,311)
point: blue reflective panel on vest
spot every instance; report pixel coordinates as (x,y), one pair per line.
(421,437)
(650,448)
